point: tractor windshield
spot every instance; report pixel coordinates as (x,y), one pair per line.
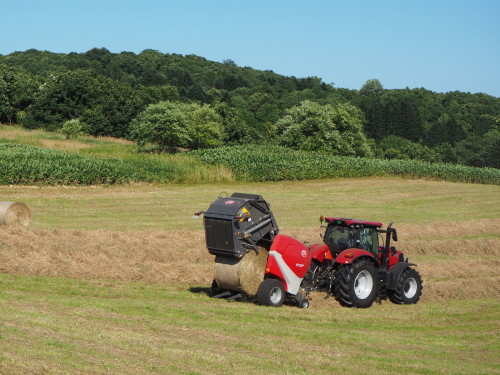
(338,237)
(368,240)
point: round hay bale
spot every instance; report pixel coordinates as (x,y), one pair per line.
(14,213)
(243,275)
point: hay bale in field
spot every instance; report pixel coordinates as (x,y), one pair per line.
(244,275)
(14,213)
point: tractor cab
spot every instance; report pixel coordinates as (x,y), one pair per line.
(342,234)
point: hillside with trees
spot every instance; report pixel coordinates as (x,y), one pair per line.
(171,101)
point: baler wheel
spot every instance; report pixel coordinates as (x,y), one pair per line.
(356,284)
(271,292)
(408,289)
(311,277)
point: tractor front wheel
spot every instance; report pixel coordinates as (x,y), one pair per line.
(271,292)
(408,289)
(356,284)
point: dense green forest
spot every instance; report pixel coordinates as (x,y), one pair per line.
(174,101)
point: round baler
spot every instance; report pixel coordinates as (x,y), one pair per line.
(251,257)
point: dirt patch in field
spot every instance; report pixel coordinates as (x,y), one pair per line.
(452,268)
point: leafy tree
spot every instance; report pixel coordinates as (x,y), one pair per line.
(152,66)
(156,94)
(480,151)
(172,125)
(372,87)
(16,92)
(72,128)
(163,124)
(99,59)
(104,105)
(229,62)
(263,107)
(236,130)
(205,127)
(334,129)
(394,147)
(445,130)
(231,81)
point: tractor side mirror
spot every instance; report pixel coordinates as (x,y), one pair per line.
(394,235)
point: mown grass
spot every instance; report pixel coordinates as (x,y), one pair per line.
(58,326)
(296,204)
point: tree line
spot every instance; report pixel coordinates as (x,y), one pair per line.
(173,101)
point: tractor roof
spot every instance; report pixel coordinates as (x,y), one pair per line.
(349,222)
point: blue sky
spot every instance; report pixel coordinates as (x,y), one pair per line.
(442,45)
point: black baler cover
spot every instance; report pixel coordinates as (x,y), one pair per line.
(226,206)
(234,225)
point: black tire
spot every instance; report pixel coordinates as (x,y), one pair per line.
(304,304)
(356,284)
(271,292)
(408,289)
(310,278)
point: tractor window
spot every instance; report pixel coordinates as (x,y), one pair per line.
(368,240)
(338,238)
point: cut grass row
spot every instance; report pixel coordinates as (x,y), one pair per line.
(58,326)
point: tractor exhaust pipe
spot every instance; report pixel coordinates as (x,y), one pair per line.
(389,232)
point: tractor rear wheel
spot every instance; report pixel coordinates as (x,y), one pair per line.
(408,289)
(356,284)
(271,292)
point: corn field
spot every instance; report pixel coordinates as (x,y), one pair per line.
(24,165)
(29,165)
(21,165)
(274,163)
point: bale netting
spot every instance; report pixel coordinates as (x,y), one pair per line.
(14,214)
(243,275)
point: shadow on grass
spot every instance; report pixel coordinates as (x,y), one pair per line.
(201,290)
(232,296)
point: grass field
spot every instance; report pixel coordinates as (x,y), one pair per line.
(62,326)
(113,280)
(296,204)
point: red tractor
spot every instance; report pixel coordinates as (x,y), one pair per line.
(357,265)
(351,264)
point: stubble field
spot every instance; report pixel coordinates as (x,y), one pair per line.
(114,280)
